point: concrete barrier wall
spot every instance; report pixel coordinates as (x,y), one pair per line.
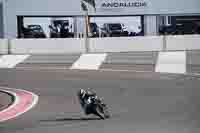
(126,44)
(47,46)
(121,44)
(3,46)
(186,42)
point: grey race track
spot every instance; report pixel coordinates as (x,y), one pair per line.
(140,102)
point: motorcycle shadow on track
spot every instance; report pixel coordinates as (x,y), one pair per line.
(71,119)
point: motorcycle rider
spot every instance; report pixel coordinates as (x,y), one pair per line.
(84,98)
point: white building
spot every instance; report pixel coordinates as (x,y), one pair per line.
(151,10)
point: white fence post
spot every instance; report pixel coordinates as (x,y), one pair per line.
(164,43)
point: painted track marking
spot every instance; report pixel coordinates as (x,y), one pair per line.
(89,61)
(24,101)
(10,61)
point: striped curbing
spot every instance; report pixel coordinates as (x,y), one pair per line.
(24,101)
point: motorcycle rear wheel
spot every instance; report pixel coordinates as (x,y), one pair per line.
(99,112)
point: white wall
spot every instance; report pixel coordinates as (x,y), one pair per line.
(186,42)
(126,44)
(47,46)
(153,7)
(14,8)
(3,46)
(122,44)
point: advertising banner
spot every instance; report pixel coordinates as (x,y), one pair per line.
(138,7)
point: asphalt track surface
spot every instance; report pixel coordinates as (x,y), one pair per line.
(140,102)
(5,100)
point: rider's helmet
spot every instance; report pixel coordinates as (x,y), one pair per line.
(81,93)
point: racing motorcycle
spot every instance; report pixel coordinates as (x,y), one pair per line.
(96,106)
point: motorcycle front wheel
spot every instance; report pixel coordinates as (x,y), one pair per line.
(106,112)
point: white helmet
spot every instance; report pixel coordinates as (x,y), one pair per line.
(81,93)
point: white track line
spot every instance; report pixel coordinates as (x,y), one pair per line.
(112,70)
(108,70)
(68,69)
